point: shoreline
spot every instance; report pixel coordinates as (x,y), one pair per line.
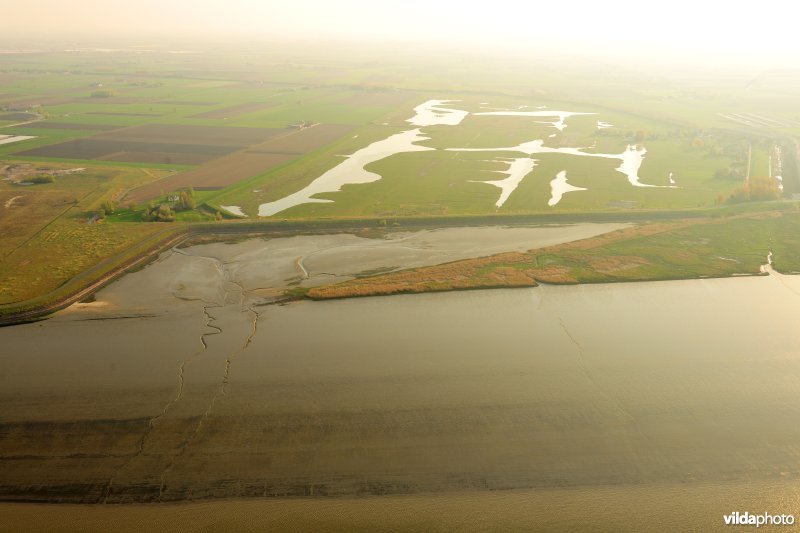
(534,284)
(87,283)
(575,508)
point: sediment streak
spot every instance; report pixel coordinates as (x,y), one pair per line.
(613,399)
(222,389)
(151,423)
(227,278)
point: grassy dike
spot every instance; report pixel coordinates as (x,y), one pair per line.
(655,249)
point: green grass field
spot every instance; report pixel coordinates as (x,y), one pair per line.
(667,118)
(370,94)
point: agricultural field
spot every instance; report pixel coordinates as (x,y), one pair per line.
(156,143)
(205,115)
(49,225)
(274,134)
(218,173)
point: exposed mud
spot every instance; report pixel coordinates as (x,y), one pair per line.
(218,396)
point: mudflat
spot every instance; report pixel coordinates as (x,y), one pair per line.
(592,398)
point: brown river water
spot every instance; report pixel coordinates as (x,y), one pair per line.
(636,406)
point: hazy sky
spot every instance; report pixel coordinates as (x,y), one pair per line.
(667,27)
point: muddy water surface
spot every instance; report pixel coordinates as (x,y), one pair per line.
(183,382)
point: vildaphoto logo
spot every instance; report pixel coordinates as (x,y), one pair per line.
(758,520)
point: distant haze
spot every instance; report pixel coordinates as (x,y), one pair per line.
(673,30)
